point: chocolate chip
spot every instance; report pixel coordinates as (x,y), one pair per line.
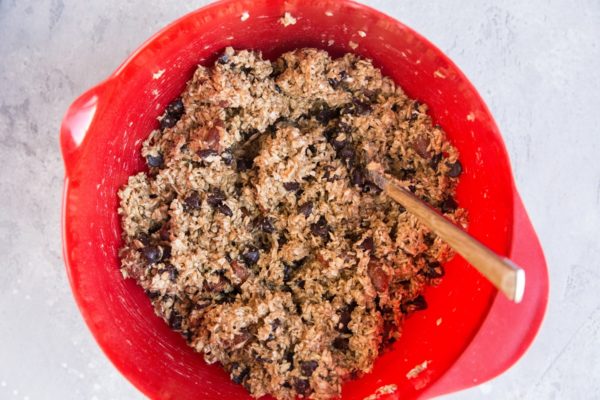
(361,107)
(193,202)
(166,252)
(155,161)
(367,244)
(227,157)
(291,186)
(433,270)
(223,59)
(175,321)
(357,177)
(151,254)
(341,343)
(329,133)
(306,208)
(289,357)
(417,304)
(435,160)
(251,256)
(144,238)
(172,271)
(281,240)
(204,153)
(224,209)
(239,377)
(215,197)
(243,164)
(320,228)
(266,224)
(346,152)
(370,187)
(338,143)
(455,169)
(323,113)
(345,317)
(168,121)
(378,276)
(448,206)
(302,386)
(308,367)
(175,108)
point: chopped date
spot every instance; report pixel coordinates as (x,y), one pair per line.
(421,145)
(378,276)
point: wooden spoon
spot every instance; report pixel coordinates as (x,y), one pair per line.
(500,271)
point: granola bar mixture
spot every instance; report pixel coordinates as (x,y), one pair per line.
(256,234)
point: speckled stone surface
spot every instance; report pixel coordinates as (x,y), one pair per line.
(536,63)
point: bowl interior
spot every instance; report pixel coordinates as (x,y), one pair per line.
(104,130)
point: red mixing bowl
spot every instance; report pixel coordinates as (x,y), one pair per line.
(468,334)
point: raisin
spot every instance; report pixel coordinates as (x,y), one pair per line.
(341,343)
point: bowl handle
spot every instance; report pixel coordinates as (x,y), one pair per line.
(77,121)
(509,328)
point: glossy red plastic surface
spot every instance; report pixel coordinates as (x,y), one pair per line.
(467,335)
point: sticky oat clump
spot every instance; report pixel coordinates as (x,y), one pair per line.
(256,234)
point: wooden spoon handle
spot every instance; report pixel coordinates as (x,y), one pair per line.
(501,272)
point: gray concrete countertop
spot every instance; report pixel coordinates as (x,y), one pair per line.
(536,63)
